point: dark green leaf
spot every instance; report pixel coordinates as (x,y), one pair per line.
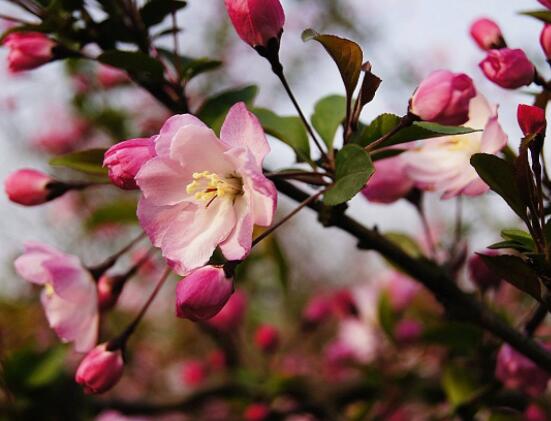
(329,113)
(119,212)
(214,109)
(134,62)
(386,153)
(500,176)
(509,245)
(347,55)
(189,66)
(460,337)
(515,271)
(353,170)
(370,84)
(520,237)
(289,130)
(155,11)
(542,15)
(89,161)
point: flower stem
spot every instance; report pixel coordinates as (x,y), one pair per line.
(100,269)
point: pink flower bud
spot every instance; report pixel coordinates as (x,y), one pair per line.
(266,338)
(317,310)
(545,41)
(256,21)
(100,369)
(203,293)
(28,187)
(194,373)
(408,331)
(508,68)
(256,412)
(389,183)
(534,413)
(125,159)
(109,290)
(481,275)
(546,3)
(344,304)
(109,77)
(230,317)
(531,119)
(28,50)
(487,34)
(217,360)
(518,372)
(443,97)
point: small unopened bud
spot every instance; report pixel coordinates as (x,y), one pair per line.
(266,338)
(408,331)
(109,77)
(203,293)
(508,68)
(531,119)
(487,34)
(534,412)
(109,290)
(230,317)
(30,187)
(256,412)
(125,159)
(545,41)
(100,369)
(344,305)
(194,373)
(546,3)
(28,50)
(317,310)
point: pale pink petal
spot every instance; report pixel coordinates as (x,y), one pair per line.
(163,182)
(169,129)
(155,220)
(493,138)
(476,188)
(30,264)
(238,244)
(70,280)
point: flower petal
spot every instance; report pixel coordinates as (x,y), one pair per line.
(169,129)
(163,182)
(238,244)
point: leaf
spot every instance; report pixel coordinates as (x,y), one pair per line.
(459,384)
(405,242)
(420,130)
(329,113)
(48,368)
(136,63)
(460,337)
(189,66)
(345,53)
(118,212)
(522,238)
(500,176)
(515,271)
(289,130)
(155,11)
(370,84)
(542,15)
(353,170)
(214,109)
(386,153)
(386,315)
(89,161)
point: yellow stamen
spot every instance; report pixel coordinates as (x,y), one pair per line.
(49,289)
(207,186)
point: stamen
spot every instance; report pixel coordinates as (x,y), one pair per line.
(207,186)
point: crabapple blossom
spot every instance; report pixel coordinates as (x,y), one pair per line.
(545,40)
(443,97)
(256,21)
(69,295)
(125,159)
(486,34)
(28,50)
(508,68)
(100,369)
(531,119)
(28,187)
(203,293)
(443,164)
(230,317)
(389,183)
(266,338)
(201,192)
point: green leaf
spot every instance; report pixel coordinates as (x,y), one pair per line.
(118,212)
(405,242)
(461,337)
(500,176)
(136,63)
(155,11)
(418,131)
(214,109)
(48,368)
(509,245)
(386,315)
(289,130)
(345,53)
(515,271)
(189,66)
(542,15)
(89,161)
(353,170)
(522,238)
(459,384)
(329,113)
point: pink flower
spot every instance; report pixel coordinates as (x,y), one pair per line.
(266,338)
(317,310)
(508,68)
(534,413)
(389,183)
(487,34)
(518,372)
(256,412)
(408,331)
(443,164)
(203,293)
(443,97)
(200,192)
(545,40)
(531,119)
(109,77)
(100,369)
(230,317)
(28,50)
(256,21)
(401,290)
(194,373)
(125,159)
(546,3)
(481,275)
(69,295)
(28,187)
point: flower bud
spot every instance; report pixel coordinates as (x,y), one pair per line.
(109,290)
(266,338)
(344,304)
(256,21)
(408,331)
(28,50)
(317,310)
(109,77)
(203,293)
(256,412)
(508,68)
(100,369)
(481,275)
(518,372)
(546,3)
(545,41)
(389,183)
(531,119)
(230,317)
(125,159)
(534,413)
(487,34)
(29,187)
(194,373)
(443,97)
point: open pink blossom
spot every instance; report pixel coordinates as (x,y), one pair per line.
(389,183)
(201,192)
(443,164)
(69,296)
